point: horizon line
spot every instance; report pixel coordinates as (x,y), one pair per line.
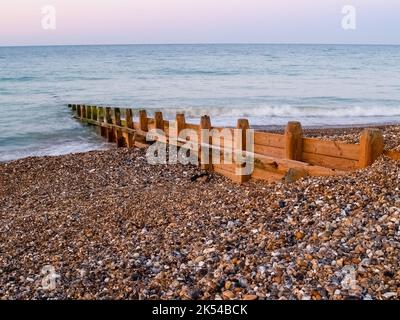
(196,43)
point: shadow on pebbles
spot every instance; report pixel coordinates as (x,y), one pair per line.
(106,225)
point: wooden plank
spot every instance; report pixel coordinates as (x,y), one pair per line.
(283,165)
(227,167)
(394,154)
(318,171)
(269,139)
(269,151)
(331,148)
(259,174)
(192,126)
(140,144)
(229,175)
(330,162)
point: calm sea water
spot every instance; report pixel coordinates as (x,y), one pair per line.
(269,84)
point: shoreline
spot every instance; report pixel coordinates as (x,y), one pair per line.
(334,132)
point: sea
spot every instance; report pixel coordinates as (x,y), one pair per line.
(270,84)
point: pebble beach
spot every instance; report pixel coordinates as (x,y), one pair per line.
(114,227)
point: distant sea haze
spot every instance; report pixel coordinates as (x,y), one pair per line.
(319,85)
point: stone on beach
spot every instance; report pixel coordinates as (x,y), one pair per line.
(114,227)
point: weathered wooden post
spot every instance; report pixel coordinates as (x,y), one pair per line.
(180,123)
(118,133)
(371,147)
(89,112)
(143,128)
(110,128)
(294,141)
(240,145)
(78,111)
(100,114)
(205,142)
(83,112)
(129,124)
(159,121)
(74,107)
(94,113)
(100,117)
(143,121)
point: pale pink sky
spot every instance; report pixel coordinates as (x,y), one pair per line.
(198,21)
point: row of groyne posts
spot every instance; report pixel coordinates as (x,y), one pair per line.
(273,156)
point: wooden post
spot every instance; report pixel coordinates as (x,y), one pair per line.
(110,129)
(89,112)
(78,110)
(94,119)
(205,138)
(83,111)
(140,136)
(294,141)
(242,124)
(143,121)
(100,118)
(129,125)
(118,133)
(371,147)
(94,113)
(159,121)
(180,123)
(100,114)
(74,107)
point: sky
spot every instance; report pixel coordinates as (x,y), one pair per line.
(198,21)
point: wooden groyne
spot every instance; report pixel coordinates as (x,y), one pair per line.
(274,156)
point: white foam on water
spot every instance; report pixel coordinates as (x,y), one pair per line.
(270,115)
(55,150)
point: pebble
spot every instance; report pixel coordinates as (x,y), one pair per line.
(128,230)
(228,295)
(388,295)
(249,297)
